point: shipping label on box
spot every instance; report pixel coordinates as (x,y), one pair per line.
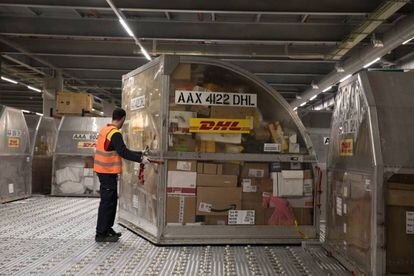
(181,191)
(256,173)
(248,187)
(11,188)
(307,187)
(204,207)
(271,147)
(184,165)
(409,220)
(241,217)
(135,202)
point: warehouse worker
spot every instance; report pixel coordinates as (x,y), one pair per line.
(110,148)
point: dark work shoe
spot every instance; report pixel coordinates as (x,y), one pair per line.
(108,238)
(111,232)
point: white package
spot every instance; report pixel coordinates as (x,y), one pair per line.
(70,187)
(68,174)
(180,179)
(88,183)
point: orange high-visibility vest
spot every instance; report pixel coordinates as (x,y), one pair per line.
(106,161)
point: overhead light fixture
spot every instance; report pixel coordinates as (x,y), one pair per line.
(145,53)
(34,88)
(345,78)
(327,89)
(376,41)
(126,27)
(26,111)
(9,80)
(39,114)
(295,108)
(314,97)
(372,62)
(405,42)
(303,104)
(298,97)
(314,85)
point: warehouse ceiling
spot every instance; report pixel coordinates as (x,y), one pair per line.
(289,44)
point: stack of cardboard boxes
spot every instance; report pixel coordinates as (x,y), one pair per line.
(227,193)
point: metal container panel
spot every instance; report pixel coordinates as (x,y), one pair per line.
(15,165)
(373,114)
(43,133)
(73,156)
(143,207)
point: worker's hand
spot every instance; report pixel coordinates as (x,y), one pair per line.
(145,160)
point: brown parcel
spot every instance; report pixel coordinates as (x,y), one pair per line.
(231,169)
(215,220)
(183,143)
(253,201)
(262,184)
(182,165)
(400,245)
(231,112)
(219,197)
(208,168)
(173,208)
(303,215)
(255,170)
(210,180)
(182,72)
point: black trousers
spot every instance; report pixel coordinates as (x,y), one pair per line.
(107,206)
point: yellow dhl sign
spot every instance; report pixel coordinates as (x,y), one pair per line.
(207,125)
(346,147)
(13,142)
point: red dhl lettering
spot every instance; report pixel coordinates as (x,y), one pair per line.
(219,125)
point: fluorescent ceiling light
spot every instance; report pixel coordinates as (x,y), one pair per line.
(314,97)
(145,53)
(8,80)
(372,62)
(40,114)
(34,88)
(405,42)
(327,89)
(345,78)
(302,104)
(126,27)
(294,109)
(25,111)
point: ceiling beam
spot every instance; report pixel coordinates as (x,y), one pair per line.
(311,33)
(332,7)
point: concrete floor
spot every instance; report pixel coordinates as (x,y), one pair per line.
(55,236)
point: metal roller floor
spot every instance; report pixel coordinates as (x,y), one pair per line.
(55,236)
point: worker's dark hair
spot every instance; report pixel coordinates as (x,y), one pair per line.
(118,114)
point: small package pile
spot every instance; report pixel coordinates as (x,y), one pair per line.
(76,177)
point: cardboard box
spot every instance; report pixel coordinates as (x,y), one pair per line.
(208,168)
(303,216)
(74,103)
(291,183)
(179,179)
(231,112)
(231,169)
(209,180)
(182,143)
(212,199)
(181,209)
(206,146)
(400,228)
(260,184)
(182,72)
(182,165)
(202,111)
(260,170)
(215,220)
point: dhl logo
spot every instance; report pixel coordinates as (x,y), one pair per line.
(86,145)
(219,125)
(13,142)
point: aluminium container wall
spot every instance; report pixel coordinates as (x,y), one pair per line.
(227,139)
(318,126)
(43,133)
(370,219)
(73,157)
(15,164)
